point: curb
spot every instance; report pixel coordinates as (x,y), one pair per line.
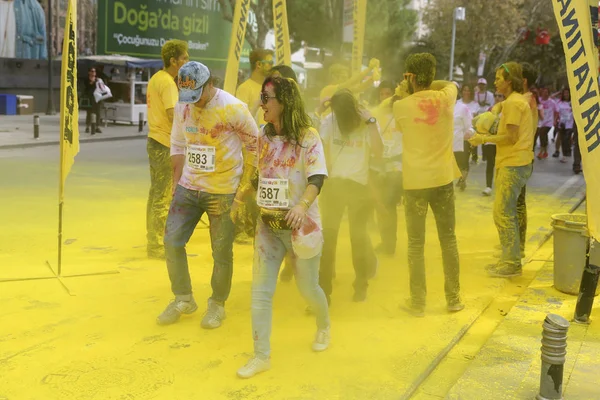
(56,143)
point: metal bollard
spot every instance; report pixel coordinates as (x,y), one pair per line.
(36,126)
(554,350)
(93,123)
(141,122)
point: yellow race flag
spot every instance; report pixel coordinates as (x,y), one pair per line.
(358,43)
(283,51)
(575,25)
(69,114)
(238,33)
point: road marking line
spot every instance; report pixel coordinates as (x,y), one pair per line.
(565,186)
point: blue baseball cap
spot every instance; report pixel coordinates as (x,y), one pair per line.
(191,80)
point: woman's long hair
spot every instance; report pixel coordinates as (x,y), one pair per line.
(346,111)
(294,119)
(562,94)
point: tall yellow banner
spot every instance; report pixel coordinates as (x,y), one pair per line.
(283,52)
(575,25)
(238,33)
(358,44)
(69,114)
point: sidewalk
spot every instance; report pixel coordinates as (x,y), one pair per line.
(508,365)
(16,131)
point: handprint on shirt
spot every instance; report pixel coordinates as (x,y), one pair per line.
(431,108)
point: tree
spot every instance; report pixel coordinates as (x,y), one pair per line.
(390,25)
(487,26)
(262,9)
(320,23)
(495,29)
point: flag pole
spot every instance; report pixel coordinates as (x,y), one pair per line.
(60,220)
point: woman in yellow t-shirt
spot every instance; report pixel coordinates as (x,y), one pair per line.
(514,156)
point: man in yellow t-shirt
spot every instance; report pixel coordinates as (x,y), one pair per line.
(162,95)
(514,156)
(261,62)
(426,119)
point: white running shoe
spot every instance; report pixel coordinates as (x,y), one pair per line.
(253,367)
(322,339)
(214,316)
(487,191)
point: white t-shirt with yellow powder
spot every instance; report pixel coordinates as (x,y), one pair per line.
(390,135)
(348,156)
(295,163)
(214,135)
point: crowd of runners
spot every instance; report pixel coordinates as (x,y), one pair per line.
(259,162)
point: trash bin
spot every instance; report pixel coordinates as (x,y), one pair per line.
(8,104)
(24,105)
(570,245)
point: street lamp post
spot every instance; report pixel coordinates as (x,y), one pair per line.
(50,104)
(459,15)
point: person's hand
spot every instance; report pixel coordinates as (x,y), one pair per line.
(295,217)
(402,89)
(325,104)
(477,139)
(469,134)
(373,63)
(237,210)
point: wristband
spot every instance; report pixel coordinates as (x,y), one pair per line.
(237,200)
(306,203)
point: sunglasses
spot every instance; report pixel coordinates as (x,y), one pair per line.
(505,68)
(498,96)
(264,97)
(271,62)
(407,75)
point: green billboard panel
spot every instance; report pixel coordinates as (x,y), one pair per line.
(140,27)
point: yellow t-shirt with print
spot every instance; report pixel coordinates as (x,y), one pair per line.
(249,93)
(162,94)
(426,120)
(516,111)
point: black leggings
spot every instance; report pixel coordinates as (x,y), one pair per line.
(564,141)
(489,150)
(542,133)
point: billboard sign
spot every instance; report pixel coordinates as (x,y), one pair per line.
(140,28)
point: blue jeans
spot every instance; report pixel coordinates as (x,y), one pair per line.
(270,248)
(510,212)
(187,208)
(416,204)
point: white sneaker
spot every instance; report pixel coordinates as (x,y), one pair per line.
(253,367)
(214,316)
(322,339)
(487,191)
